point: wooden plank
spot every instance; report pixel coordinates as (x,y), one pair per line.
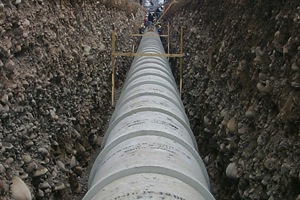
(148,54)
(166,11)
(168,37)
(113,68)
(181,59)
(147,35)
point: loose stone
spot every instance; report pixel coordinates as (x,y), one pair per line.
(19,190)
(40,171)
(232,171)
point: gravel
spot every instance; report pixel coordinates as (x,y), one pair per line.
(241,92)
(55,93)
(241,82)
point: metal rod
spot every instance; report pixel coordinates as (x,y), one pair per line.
(181,59)
(148,54)
(113,68)
(168,37)
(166,11)
(148,35)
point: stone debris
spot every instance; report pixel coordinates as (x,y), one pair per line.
(40,170)
(241,92)
(55,91)
(19,189)
(241,82)
(232,171)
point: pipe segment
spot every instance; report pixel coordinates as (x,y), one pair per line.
(149,150)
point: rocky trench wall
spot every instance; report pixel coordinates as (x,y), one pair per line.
(55,92)
(241,89)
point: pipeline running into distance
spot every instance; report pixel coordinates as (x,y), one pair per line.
(149,150)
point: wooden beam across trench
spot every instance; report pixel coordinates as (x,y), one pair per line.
(132,54)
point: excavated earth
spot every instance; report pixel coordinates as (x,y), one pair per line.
(241,90)
(55,92)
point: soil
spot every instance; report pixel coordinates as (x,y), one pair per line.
(241,91)
(55,91)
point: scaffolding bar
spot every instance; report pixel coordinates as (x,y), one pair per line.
(181,59)
(168,37)
(113,68)
(147,35)
(148,54)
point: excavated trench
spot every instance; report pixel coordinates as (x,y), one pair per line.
(241,92)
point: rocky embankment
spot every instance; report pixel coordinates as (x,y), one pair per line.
(55,92)
(242,93)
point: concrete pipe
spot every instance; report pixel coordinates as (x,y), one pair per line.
(149,150)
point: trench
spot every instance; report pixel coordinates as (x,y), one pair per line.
(240,91)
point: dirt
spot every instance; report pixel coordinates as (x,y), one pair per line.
(242,95)
(55,74)
(241,91)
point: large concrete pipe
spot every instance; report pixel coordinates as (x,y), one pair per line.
(149,150)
